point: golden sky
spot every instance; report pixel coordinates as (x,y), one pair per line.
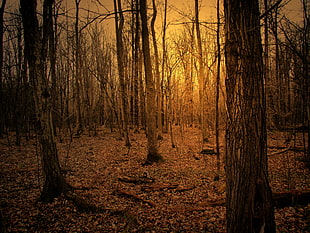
(292,9)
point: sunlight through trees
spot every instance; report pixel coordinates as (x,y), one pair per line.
(234,71)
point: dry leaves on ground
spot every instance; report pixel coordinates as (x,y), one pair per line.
(179,198)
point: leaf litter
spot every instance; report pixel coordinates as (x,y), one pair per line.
(179,200)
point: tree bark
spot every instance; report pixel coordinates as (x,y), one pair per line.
(54,183)
(163,67)
(2,118)
(119,24)
(153,155)
(157,74)
(217,93)
(77,85)
(248,194)
(201,78)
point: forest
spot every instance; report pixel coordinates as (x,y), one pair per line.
(154,116)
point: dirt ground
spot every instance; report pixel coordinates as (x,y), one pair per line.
(177,200)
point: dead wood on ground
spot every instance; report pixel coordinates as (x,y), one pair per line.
(285,149)
(136,180)
(162,186)
(280,199)
(291,198)
(134,196)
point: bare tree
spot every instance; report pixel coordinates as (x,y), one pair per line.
(55,183)
(217,91)
(119,24)
(153,155)
(201,77)
(248,194)
(77,87)
(156,73)
(2,119)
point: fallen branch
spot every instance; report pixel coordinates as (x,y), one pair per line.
(134,196)
(208,152)
(85,206)
(85,188)
(292,198)
(295,149)
(158,187)
(161,187)
(183,189)
(280,199)
(136,180)
(279,152)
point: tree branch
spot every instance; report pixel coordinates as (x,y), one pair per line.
(270,9)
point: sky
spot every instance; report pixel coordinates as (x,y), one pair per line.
(293,8)
(207,11)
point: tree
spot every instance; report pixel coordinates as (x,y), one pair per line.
(248,194)
(163,66)
(152,143)
(78,63)
(201,78)
(2,120)
(217,92)
(54,183)
(119,24)
(156,73)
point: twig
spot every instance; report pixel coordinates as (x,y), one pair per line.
(134,196)
(280,152)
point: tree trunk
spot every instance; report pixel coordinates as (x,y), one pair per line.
(201,78)
(121,69)
(217,93)
(135,27)
(163,67)
(48,34)
(77,85)
(305,74)
(153,155)
(2,118)
(248,194)
(55,182)
(157,75)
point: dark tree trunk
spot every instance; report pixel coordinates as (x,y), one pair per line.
(217,93)
(249,200)
(2,114)
(157,74)
(78,73)
(55,182)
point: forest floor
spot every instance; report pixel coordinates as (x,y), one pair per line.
(178,199)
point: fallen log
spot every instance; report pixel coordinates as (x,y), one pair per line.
(136,180)
(280,200)
(163,186)
(183,189)
(208,152)
(294,149)
(158,187)
(292,198)
(279,152)
(134,196)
